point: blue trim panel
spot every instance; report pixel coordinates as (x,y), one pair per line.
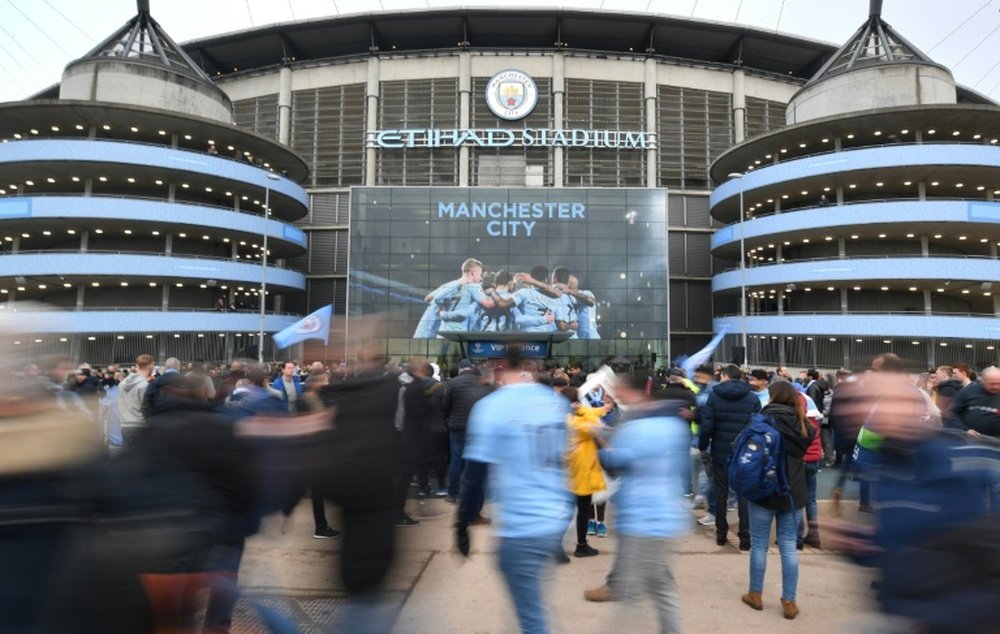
(858,160)
(146,321)
(116,265)
(902,211)
(124,153)
(146,211)
(874,325)
(930,268)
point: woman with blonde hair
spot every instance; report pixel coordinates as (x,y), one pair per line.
(586,476)
(788,415)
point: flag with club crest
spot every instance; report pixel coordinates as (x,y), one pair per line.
(313,326)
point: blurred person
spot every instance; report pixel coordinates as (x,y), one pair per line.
(312,401)
(812,460)
(130,396)
(288,385)
(461,394)
(585,474)
(945,388)
(936,539)
(159,395)
(649,449)
(199,368)
(788,414)
(726,411)
(976,407)
(86,385)
(417,435)
(519,431)
(963,373)
(228,379)
(759,381)
(56,370)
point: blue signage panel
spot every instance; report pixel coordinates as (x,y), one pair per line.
(498,349)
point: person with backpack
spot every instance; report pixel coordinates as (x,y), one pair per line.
(786,414)
(727,410)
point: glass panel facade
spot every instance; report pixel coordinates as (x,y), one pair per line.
(328,130)
(693,127)
(604,105)
(420,104)
(607,245)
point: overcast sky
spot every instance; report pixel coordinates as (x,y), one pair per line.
(39,37)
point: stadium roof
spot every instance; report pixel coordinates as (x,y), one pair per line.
(492,29)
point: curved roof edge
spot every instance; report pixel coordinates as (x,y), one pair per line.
(491,28)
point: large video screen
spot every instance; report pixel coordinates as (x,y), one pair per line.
(591,263)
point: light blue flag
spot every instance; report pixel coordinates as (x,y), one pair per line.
(703,355)
(314,326)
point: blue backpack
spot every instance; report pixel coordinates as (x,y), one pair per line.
(757,464)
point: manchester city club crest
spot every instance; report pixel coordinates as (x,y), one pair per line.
(511,94)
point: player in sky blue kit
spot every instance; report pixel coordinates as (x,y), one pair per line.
(498,318)
(586,309)
(564,306)
(454,304)
(533,302)
(519,431)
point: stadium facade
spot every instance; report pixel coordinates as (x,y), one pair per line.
(403,144)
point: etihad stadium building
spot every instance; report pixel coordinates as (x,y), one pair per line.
(571,154)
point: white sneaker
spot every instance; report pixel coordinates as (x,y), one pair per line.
(707,520)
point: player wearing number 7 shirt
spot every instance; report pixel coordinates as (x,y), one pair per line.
(519,433)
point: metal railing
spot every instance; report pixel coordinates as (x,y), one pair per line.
(186,256)
(850,258)
(834,313)
(767,213)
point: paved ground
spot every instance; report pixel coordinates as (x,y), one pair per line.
(432,589)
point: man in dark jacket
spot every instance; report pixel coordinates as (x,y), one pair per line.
(460,395)
(976,408)
(724,415)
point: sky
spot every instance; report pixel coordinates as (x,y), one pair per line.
(39,37)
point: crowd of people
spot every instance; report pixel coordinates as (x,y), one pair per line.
(548,446)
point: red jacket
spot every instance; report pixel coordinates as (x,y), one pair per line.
(815,451)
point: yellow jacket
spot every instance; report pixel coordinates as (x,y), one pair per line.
(585,475)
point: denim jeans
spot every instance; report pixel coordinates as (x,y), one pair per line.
(760,532)
(456,444)
(522,562)
(812,471)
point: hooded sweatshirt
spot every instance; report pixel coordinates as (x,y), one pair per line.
(130,393)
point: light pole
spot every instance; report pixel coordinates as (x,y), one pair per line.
(271,176)
(743,274)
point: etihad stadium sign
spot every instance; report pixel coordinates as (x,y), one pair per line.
(510,95)
(503,137)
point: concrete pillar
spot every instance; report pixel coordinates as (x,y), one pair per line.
(918,136)
(372,92)
(840,194)
(996,305)
(88,186)
(81,294)
(928,302)
(84,241)
(841,248)
(171,192)
(234,255)
(777,253)
(925,246)
(558,114)
(168,244)
(922,190)
(464,113)
(174,138)
(92,132)
(993,250)
(15,246)
(843,300)
(739,106)
(165,298)
(781,307)
(838,144)
(649,91)
(284,104)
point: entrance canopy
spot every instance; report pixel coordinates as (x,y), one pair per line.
(493,345)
